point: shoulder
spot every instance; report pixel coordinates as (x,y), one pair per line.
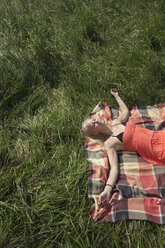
(110,143)
(115,122)
(113,143)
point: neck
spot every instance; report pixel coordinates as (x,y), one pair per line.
(106,130)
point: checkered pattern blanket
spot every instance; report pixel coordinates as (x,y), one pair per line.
(139,193)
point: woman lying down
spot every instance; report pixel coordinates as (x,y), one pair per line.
(119,134)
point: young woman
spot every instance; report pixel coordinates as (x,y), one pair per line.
(119,135)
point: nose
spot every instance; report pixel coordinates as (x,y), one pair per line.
(99,120)
(96,121)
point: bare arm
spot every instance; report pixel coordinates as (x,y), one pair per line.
(113,161)
(124,112)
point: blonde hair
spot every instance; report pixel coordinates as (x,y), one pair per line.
(87,132)
(86,129)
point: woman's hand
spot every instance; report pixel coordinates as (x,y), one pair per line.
(114,92)
(104,197)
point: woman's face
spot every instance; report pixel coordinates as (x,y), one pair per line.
(96,125)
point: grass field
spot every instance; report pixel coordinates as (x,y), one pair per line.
(58,59)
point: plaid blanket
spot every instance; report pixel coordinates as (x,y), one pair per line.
(139,193)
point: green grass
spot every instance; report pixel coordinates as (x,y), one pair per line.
(58,59)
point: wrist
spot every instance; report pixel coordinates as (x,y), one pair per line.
(108,187)
(116,96)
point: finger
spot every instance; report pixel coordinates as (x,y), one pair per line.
(101,200)
(103,204)
(96,203)
(114,92)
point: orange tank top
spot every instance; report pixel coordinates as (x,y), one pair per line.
(139,139)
